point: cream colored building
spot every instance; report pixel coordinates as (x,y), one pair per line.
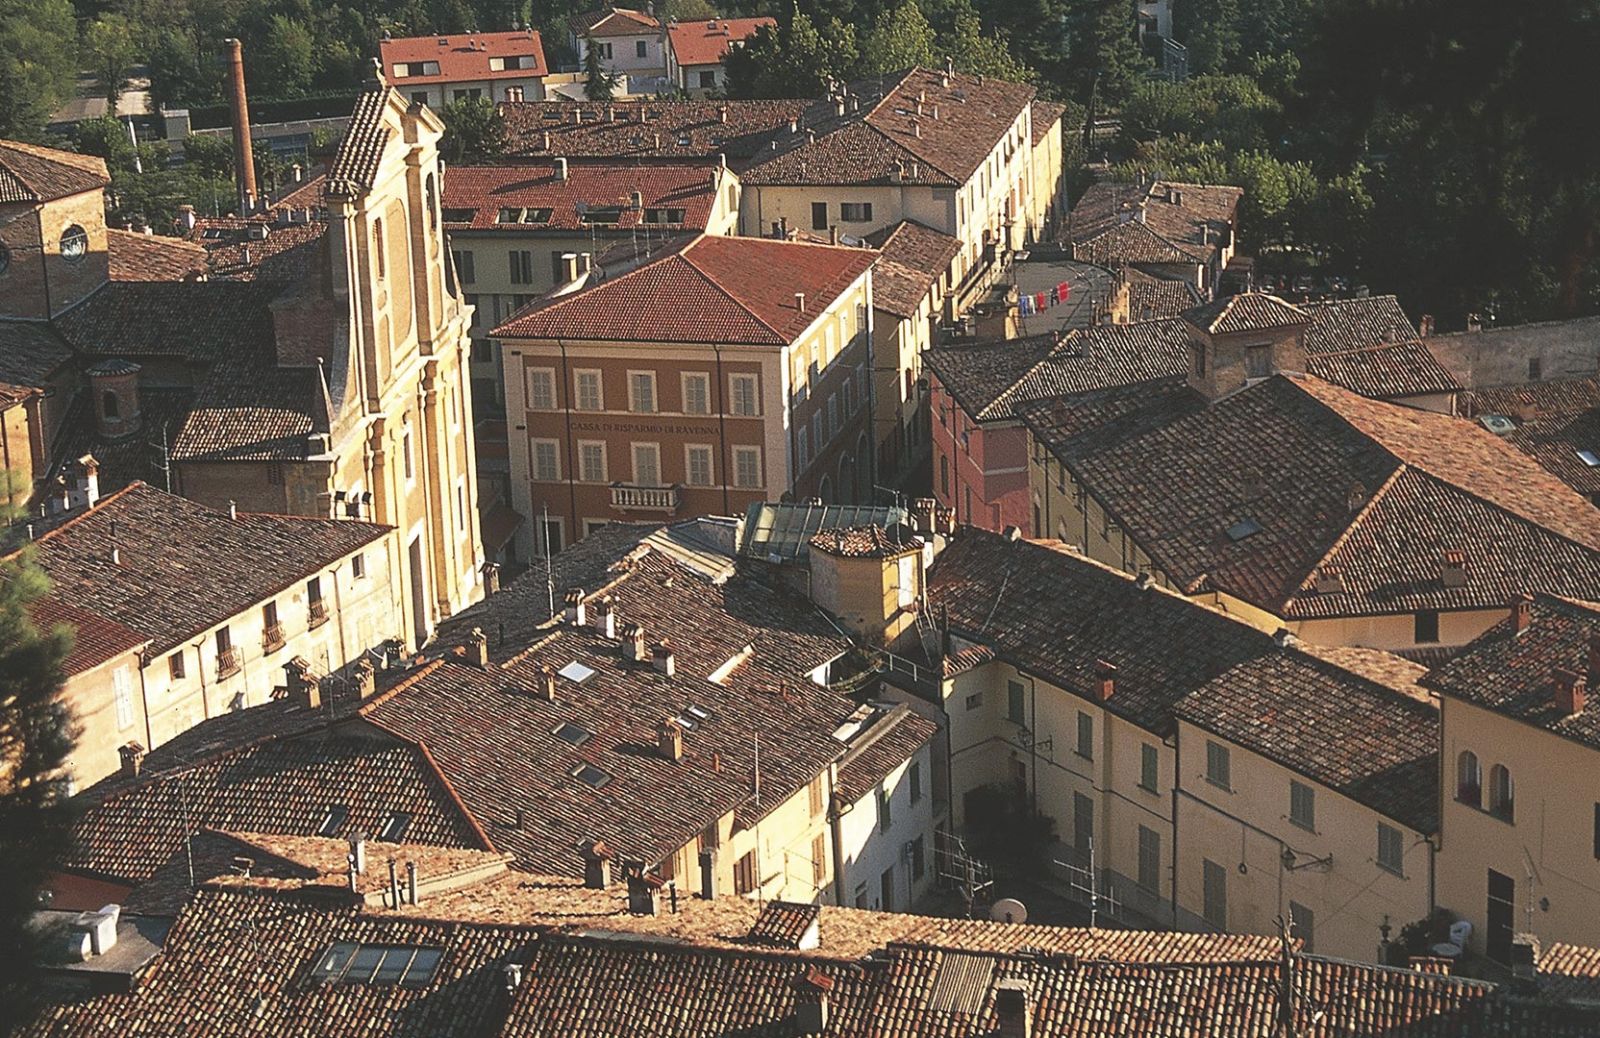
(1519,842)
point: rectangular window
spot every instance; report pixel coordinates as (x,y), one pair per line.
(466,267)
(1149,859)
(1217,765)
(521,267)
(919,859)
(819,216)
(744,874)
(271,631)
(833,415)
(176,670)
(664,214)
(647,464)
(1085,746)
(742,396)
(546,461)
(1392,847)
(358,565)
(591,461)
(642,391)
(1426,627)
(708,80)
(541,389)
(886,890)
(698,459)
(819,859)
(122,688)
(1082,823)
(1215,908)
(914,779)
(974,701)
(855,212)
(696,392)
(747,467)
(885,810)
(814,794)
(1016,702)
(1257,361)
(1197,360)
(1302,805)
(1149,766)
(640,49)
(588,391)
(1302,924)
(406,455)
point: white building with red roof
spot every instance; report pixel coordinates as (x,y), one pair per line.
(700,47)
(436,70)
(719,373)
(656,53)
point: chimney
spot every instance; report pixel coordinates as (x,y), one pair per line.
(708,874)
(478,648)
(132,757)
(794,125)
(916,128)
(491,578)
(233,509)
(800,301)
(838,106)
(611,113)
(561,169)
(1521,612)
(243,158)
(1105,674)
(576,611)
(605,618)
(1424,326)
(88,480)
(596,864)
(1012,1012)
(569,267)
(1571,690)
(635,200)
(1594,657)
(1474,322)
(546,141)
(1525,962)
(547,684)
(644,891)
(722,113)
(833,234)
(304,692)
(186,218)
(1453,572)
(669,740)
(662,659)
(811,991)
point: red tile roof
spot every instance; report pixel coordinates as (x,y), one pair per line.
(30,173)
(1166,222)
(646,128)
(707,42)
(1247,312)
(915,258)
(715,289)
(96,639)
(463,56)
(485,190)
(617,21)
(1554,422)
(152,257)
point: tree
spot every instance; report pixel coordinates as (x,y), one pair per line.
(900,38)
(38,63)
(473,130)
(792,59)
(109,51)
(981,53)
(35,738)
(598,84)
(1105,59)
(284,58)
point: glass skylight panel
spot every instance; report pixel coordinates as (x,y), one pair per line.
(574,734)
(405,964)
(1244,528)
(576,672)
(1589,458)
(333,820)
(590,775)
(394,827)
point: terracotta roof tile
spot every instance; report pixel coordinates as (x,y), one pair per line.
(30,173)
(258,249)
(915,258)
(895,740)
(463,56)
(706,42)
(714,289)
(1045,116)
(784,923)
(96,639)
(1152,298)
(617,21)
(486,190)
(1249,312)
(361,148)
(654,128)
(30,352)
(151,257)
(1554,422)
(227,565)
(1115,223)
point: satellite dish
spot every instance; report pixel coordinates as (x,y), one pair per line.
(1009,910)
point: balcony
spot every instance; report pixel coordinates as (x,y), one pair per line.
(627,497)
(228,663)
(272,639)
(319,613)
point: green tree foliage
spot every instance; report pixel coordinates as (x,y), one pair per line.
(598,84)
(283,61)
(38,62)
(473,130)
(1104,60)
(982,52)
(792,60)
(108,50)
(1231,110)
(35,738)
(900,38)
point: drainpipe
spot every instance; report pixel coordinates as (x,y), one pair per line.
(572,484)
(835,823)
(722,429)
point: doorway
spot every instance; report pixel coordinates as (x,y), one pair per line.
(1501,912)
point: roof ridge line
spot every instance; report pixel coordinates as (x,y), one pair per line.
(450,790)
(74,520)
(1338,542)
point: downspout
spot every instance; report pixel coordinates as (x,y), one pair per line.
(722,429)
(872,391)
(144,697)
(572,486)
(1177,772)
(835,820)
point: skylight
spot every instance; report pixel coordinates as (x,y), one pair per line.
(604,214)
(519,214)
(697,712)
(1589,458)
(576,672)
(408,966)
(1246,527)
(333,820)
(590,775)
(575,734)
(459,215)
(394,827)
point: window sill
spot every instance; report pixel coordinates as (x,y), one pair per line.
(1391,870)
(1153,791)
(1219,785)
(1303,827)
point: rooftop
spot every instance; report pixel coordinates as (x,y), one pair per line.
(706,42)
(783,531)
(650,129)
(1120,223)
(1557,423)
(593,197)
(152,257)
(1516,673)
(182,568)
(616,21)
(1291,494)
(714,289)
(914,258)
(463,56)
(1152,298)
(866,542)
(30,173)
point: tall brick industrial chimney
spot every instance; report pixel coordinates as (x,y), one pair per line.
(243,160)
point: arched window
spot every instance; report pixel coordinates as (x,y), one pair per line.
(74,243)
(1469,779)
(378,257)
(110,405)
(1502,794)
